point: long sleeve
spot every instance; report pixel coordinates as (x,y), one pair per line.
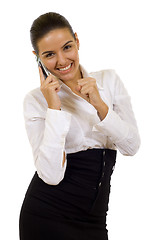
(47,131)
(120,124)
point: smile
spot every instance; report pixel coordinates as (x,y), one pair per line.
(66,68)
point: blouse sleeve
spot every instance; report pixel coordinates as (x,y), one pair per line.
(120,124)
(46,133)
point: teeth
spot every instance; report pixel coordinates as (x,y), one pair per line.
(66,68)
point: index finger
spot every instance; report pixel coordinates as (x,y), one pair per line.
(42,79)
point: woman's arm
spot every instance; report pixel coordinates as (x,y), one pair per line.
(119,124)
(46,133)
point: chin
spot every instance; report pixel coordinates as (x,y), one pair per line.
(69,77)
(66,78)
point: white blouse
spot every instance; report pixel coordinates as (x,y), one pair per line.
(77,126)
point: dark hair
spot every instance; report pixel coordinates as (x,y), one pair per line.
(46,23)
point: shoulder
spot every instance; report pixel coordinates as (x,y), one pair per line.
(110,81)
(35,95)
(106,78)
(34,101)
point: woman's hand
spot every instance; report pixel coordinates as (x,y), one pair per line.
(49,87)
(88,89)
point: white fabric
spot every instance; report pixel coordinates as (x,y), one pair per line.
(77,126)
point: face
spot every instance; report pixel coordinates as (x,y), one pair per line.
(58,51)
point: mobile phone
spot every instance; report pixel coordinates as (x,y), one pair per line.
(45,71)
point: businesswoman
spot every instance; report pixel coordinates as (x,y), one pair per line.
(75,123)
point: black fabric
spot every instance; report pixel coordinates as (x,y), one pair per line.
(76,208)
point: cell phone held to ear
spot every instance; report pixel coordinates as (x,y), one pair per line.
(46,73)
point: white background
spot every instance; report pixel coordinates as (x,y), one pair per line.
(120,34)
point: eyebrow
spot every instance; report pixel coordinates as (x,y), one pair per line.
(62,47)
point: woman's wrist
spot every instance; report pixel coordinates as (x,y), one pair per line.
(53,107)
(102,110)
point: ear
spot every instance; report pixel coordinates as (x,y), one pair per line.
(77,40)
(37,57)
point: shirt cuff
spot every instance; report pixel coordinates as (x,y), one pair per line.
(112,126)
(57,124)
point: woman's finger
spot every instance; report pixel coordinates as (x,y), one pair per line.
(51,78)
(42,78)
(52,85)
(78,88)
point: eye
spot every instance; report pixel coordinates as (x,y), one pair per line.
(67,47)
(50,55)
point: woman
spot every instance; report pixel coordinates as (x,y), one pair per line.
(75,123)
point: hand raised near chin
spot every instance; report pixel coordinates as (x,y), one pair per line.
(87,87)
(50,87)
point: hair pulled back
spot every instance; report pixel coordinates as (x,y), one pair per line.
(46,23)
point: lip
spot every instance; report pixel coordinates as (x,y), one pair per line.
(65,70)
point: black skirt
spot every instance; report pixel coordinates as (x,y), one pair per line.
(76,208)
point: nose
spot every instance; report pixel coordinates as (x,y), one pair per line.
(61,59)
